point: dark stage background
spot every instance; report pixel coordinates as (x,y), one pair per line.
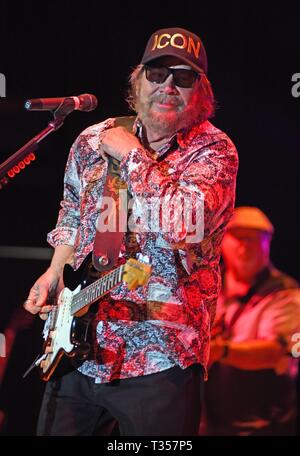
(59,49)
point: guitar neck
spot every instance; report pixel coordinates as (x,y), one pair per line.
(97,289)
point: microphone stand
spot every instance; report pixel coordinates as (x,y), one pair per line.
(16,159)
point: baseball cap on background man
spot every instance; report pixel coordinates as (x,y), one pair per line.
(250,217)
(177,42)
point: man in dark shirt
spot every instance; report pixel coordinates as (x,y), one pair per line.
(251,388)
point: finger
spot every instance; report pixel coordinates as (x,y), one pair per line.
(46,309)
(289,314)
(280,301)
(286,327)
(33,297)
(101,146)
(42,296)
(103,154)
(34,292)
(30,306)
(44,312)
(289,296)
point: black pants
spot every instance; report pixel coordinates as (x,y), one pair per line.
(166,403)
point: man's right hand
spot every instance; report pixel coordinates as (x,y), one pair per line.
(45,289)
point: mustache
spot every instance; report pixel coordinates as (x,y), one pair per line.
(168,99)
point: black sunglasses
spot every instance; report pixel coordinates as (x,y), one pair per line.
(182,77)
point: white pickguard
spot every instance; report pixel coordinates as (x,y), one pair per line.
(58,327)
(60,335)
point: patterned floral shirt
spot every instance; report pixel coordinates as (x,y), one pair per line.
(198,165)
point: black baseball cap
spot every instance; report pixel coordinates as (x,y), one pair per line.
(177,42)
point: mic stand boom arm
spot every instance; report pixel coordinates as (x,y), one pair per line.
(59,116)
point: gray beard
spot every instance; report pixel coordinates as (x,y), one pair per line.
(161,124)
(166,124)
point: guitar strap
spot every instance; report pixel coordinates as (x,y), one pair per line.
(112,220)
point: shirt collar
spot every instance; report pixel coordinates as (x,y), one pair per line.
(181,139)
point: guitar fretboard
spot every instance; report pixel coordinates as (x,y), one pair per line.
(97,289)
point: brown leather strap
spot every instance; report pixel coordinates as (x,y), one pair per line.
(107,243)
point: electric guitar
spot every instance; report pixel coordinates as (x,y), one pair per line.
(69,320)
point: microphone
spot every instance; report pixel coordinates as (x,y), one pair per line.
(85,102)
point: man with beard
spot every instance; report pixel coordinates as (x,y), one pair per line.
(151,344)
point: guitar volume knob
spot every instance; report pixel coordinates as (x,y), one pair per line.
(103,260)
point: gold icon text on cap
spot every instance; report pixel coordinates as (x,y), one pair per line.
(178,41)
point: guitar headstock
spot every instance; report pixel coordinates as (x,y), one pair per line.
(136,273)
